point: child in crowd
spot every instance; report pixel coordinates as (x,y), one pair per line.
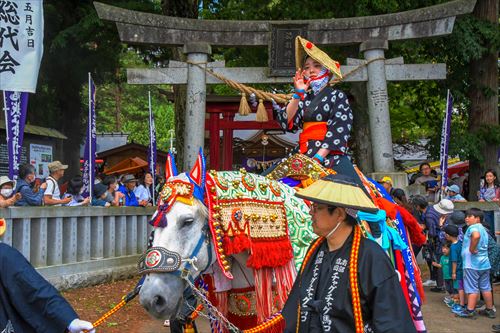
(476,265)
(457,275)
(454,194)
(444,265)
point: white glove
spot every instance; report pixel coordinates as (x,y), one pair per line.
(78,326)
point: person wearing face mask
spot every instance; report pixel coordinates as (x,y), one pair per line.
(7,196)
(347,283)
(31,195)
(321,112)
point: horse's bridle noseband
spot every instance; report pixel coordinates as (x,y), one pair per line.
(161,260)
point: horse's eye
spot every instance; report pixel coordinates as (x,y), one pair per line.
(187,222)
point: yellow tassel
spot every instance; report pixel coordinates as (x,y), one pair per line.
(261,112)
(244,107)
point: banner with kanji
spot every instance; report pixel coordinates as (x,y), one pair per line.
(445,140)
(15,106)
(152,146)
(90,145)
(21,44)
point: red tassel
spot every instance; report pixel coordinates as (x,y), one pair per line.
(227,245)
(285,277)
(240,243)
(273,253)
(263,281)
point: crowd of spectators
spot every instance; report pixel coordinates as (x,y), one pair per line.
(124,190)
(459,247)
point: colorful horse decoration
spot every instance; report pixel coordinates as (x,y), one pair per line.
(257,232)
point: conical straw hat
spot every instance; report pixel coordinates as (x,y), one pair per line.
(340,191)
(303,47)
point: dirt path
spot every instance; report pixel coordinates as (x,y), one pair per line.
(91,303)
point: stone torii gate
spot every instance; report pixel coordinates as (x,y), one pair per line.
(371,32)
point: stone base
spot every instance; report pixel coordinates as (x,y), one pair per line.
(400,179)
(90,273)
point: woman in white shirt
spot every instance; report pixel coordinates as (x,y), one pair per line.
(144,191)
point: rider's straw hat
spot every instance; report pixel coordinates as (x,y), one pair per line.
(303,47)
(339,191)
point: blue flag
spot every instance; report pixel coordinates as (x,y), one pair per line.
(15,106)
(90,145)
(445,140)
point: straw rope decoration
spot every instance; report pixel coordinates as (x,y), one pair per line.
(261,95)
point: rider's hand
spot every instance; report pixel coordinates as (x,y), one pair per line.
(79,326)
(298,81)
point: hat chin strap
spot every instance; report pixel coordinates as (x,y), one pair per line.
(333,230)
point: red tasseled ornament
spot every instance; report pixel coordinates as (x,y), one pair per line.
(417,236)
(272,253)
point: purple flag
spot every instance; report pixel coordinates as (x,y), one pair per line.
(90,145)
(445,141)
(15,106)
(152,147)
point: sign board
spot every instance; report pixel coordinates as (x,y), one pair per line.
(282,48)
(40,157)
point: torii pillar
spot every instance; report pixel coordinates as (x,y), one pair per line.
(378,105)
(197,54)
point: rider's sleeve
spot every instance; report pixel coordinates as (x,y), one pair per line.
(29,296)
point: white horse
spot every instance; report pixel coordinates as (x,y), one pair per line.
(186,244)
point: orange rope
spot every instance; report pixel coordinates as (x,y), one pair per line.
(353,272)
(267,325)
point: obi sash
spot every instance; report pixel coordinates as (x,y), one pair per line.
(311,131)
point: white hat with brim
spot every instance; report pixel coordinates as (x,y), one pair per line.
(339,191)
(6,180)
(444,207)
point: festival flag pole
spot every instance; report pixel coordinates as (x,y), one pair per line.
(90,136)
(445,141)
(152,146)
(90,144)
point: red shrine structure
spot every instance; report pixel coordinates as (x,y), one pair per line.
(221,113)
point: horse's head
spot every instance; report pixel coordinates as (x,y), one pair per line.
(181,245)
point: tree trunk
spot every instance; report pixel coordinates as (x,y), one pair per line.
(363,155)
(118,101)
(189,9)
(483,94)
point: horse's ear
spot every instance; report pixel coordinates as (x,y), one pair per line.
(197,173)
(170,168)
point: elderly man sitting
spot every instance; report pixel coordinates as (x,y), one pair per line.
(129,183)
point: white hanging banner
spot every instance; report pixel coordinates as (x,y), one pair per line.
(21,44)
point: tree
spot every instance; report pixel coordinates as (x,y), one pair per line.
(76,42)
(483,91)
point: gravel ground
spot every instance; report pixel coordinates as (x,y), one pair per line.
(92,302)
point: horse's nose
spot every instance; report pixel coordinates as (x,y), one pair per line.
(159,303)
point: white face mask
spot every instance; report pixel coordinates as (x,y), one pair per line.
(6,192)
